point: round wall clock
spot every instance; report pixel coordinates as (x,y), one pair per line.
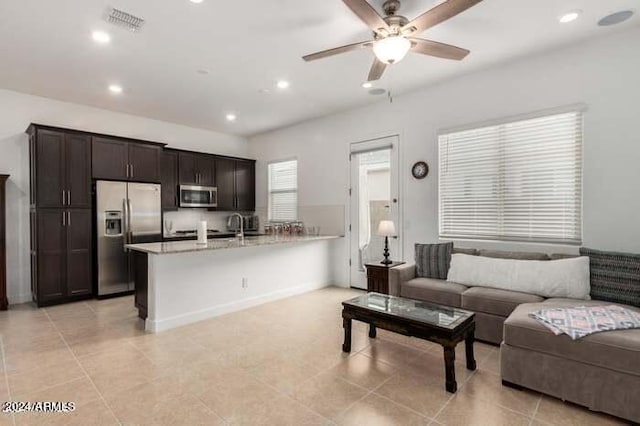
(420,170)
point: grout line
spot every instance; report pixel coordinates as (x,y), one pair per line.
(83,369)
(6,377)
(535,411)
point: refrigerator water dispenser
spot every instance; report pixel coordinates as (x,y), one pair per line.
(113,223)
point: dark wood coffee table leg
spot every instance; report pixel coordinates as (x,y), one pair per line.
(346,324)
(468,344)
(372,331)
(450,368)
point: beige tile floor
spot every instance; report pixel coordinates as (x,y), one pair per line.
(278,364)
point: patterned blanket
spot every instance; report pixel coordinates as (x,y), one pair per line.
(581,321)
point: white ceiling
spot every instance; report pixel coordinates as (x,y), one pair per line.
(46,49)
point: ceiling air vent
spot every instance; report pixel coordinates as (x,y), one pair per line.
(123,19)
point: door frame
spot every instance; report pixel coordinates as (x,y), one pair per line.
(373,143)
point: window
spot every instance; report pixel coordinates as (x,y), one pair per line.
(283,190)
(519,181)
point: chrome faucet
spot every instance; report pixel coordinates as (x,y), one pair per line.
(240,218)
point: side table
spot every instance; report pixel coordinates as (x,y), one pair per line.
(378,276)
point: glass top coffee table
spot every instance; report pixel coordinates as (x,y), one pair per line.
(440,324)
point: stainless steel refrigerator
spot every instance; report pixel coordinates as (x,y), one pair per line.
(127,213)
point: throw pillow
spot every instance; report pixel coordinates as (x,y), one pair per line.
(432,260)
(615,277)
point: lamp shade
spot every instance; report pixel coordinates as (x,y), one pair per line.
(391,49)
(386,228)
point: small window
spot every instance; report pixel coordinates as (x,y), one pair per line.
(283,191)
(519,181)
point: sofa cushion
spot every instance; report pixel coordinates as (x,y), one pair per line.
(519,255)
(548,278)
(556,256)
(433,290)
(616,350)
(496,301)
(432,260)
(469,251)
(615,277)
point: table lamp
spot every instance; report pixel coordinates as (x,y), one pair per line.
(386,229)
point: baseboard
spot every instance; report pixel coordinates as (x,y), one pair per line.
(215,311)
(16,299)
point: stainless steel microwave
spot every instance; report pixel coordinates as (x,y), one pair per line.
(198,196)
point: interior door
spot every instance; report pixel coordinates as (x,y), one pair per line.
(373,198)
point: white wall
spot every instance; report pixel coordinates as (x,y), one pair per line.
(603,73)
(17,110)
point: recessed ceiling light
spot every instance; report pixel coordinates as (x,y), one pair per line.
(231,117)
(203,71)
(114,88)
(367,85)
(615,18)
(196,1)
(282,84)
(377,92)
(569,16)
(100,37)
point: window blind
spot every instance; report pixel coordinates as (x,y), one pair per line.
(283,191)
(520,181)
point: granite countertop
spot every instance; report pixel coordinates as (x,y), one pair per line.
(227,243)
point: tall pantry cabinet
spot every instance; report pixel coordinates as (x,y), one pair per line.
(60,214)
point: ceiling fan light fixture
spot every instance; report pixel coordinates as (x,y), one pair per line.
(392,49)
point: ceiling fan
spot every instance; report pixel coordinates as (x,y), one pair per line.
(393,35)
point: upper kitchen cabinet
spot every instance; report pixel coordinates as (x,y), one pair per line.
(118,159)
(169,179)
(196,169)
(236,184)
(245,185)
(60,168)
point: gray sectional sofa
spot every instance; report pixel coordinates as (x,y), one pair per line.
(600,371)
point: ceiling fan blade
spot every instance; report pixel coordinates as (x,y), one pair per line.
(368,15)
(434,48)
(337,50)
(377,69)
(438,14)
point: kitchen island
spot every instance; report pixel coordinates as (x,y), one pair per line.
(181,282)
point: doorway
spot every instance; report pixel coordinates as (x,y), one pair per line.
(374,194)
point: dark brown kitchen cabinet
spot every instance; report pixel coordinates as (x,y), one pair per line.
(196,169)
(62,255)
(61,169)
(245,185)
(119,159)
(235,180)
(169,179)
(144,162)
(109,159)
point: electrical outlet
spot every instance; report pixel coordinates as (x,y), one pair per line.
(245,282)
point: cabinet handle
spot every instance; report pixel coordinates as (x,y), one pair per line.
(68,197)
(64,218)
(127,171)
(68,218)
(64,199)
(132,173)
